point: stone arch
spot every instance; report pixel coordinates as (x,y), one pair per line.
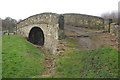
(49,23)
(36,36)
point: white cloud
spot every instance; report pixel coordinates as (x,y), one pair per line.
(20,9)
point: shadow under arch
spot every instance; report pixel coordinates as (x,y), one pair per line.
(36,36)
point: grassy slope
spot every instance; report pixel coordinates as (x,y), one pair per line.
(20,58)
(101,62)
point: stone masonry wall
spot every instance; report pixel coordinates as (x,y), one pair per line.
(106,25)
(48,22)
(86,21)
(114,29)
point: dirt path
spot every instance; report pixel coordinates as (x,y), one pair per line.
(91,39)
(85,43)
(49,60)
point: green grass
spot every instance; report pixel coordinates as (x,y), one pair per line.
(98,63)
(72,43)
(20,58)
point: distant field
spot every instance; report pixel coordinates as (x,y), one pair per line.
(98,63)
(20,58)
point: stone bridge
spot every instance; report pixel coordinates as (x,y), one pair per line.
(43,29)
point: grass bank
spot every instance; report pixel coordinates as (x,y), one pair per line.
(20,58)
(98,63)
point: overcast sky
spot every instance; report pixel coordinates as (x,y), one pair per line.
(21,9)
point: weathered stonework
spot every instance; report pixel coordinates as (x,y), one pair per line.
(49,24)
(86,21)
(106,25)
(114,29)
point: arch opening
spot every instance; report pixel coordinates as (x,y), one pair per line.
(36,36)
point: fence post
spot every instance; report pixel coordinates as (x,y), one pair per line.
(110,21)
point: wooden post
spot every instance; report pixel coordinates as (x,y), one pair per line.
(110,21)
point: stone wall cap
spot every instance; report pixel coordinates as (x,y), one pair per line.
(82,15)
(45,13)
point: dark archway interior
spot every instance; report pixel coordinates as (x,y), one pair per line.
(36,36)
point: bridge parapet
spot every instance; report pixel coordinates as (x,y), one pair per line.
(49,23)
(85,21)
(44,18)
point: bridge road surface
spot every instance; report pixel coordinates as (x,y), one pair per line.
(80,32)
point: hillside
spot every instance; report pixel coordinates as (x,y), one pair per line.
(20,58)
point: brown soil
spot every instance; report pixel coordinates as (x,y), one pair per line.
(104,39)
(96,40)
(62,48)
(49,61)
(69,33)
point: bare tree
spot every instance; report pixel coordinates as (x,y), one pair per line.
(9,24)
(113,15)
(19,20)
